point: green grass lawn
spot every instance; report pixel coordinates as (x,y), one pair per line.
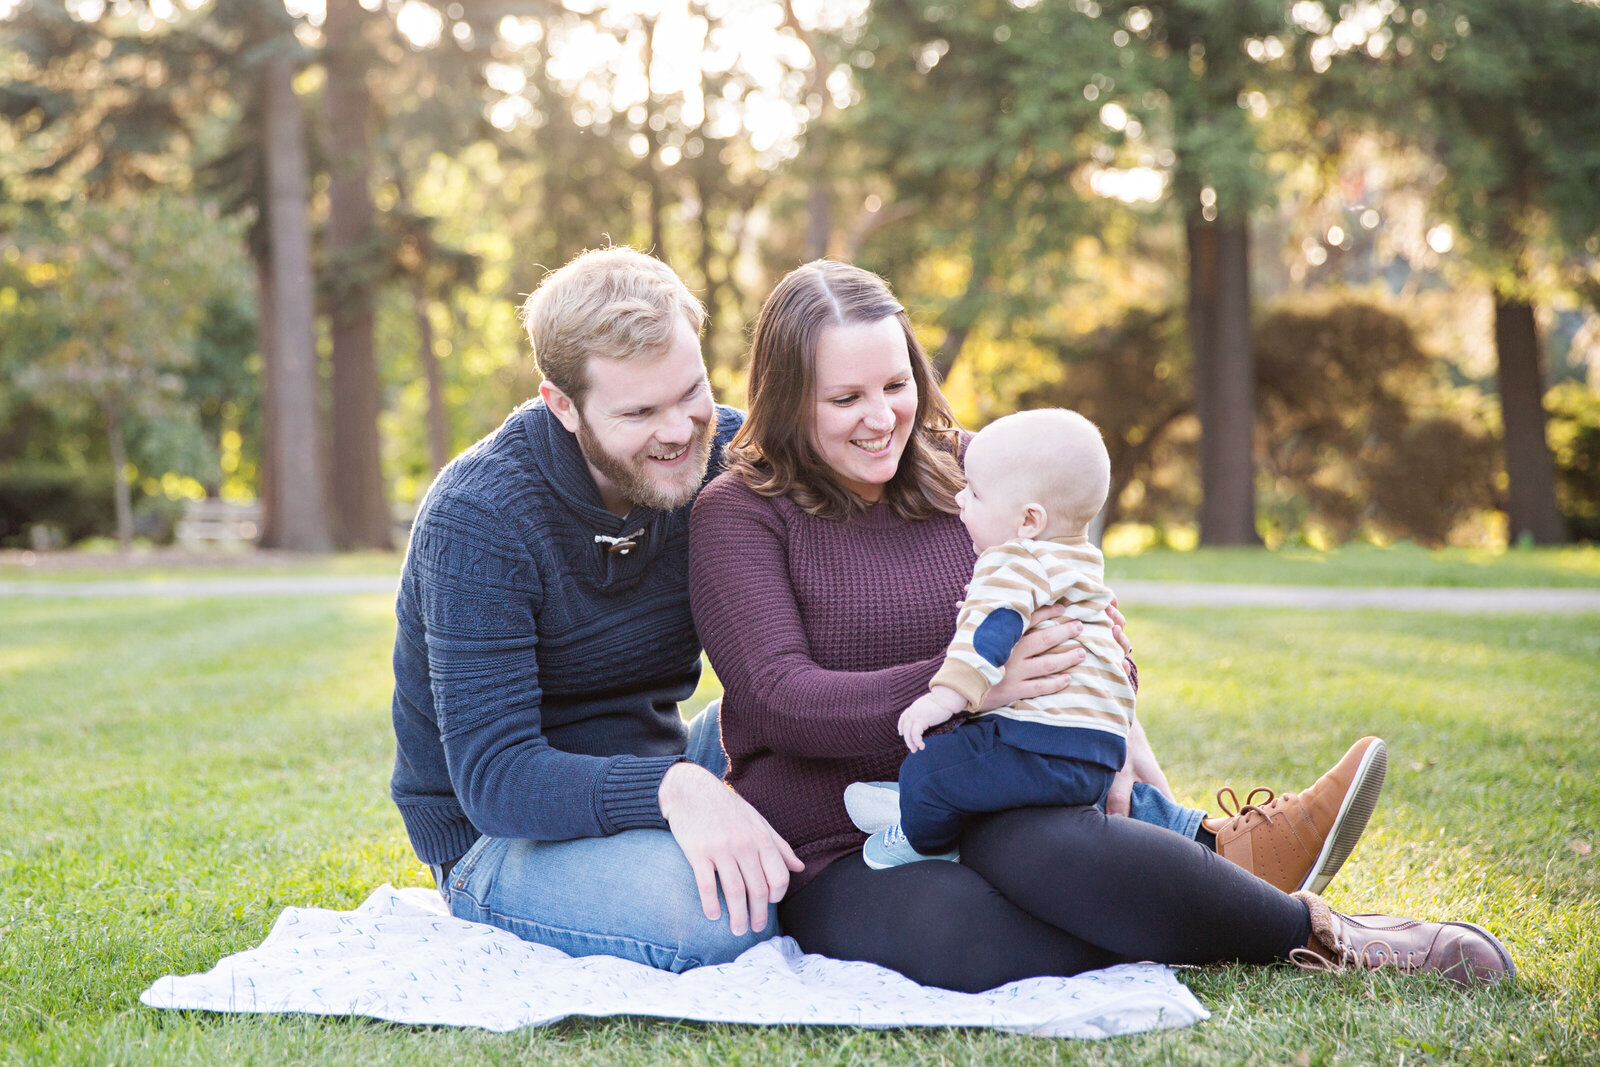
(159,565)
(178,771)
(1362,564)
(1357,564)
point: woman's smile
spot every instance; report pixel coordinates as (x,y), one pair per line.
(866,403)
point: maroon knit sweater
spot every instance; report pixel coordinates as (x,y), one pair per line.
(822,632)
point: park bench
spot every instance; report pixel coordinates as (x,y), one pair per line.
(218,521)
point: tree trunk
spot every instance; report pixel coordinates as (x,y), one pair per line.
(963,314)
(122,495)
(705,190)
(361,514)
(301,518)
(649,172)
(819,214)
(267,534)
(819,203)
(1224,378)
(1531,504)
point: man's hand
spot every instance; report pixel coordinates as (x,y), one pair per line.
(724,838)
(938,705)
(1039,663)
(1118,622)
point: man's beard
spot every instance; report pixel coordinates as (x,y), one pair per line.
(633,478)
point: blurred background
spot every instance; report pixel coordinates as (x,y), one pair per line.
(1321,273)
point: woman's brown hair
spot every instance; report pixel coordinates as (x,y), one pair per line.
(773,453)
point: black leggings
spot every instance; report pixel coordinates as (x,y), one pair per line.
(1045,891)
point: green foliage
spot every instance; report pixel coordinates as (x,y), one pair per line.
(1129,379)
(1356,430)
(1574,430)
(93,104)
(1511,99)
(966,171)
(223,386)
(1188,72)
(1357,427)
(129,283)
(977,114)
(76,503)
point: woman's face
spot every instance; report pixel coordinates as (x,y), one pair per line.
(865,405)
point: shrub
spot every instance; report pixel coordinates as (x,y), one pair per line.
(1574,432)
(78,503)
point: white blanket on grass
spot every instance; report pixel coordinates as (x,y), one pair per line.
(400,956)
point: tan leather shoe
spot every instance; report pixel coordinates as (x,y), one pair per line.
(1300,840)
(1463,953)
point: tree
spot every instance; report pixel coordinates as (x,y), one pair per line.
(977,115)
(1514,97)
(995,121)
(1355,424)
(1507,98)
(1195,66)
(299,516)
(361,511)
(115,101)
(131,281)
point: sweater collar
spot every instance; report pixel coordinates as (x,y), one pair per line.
(554,450)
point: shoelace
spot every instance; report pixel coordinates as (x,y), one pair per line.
(1311,960)
(1226,795)
(894,837)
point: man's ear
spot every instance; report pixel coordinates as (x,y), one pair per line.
(560,405)
(1034,520)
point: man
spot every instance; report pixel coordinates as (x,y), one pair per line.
(544,643)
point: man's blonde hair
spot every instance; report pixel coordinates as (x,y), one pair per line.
(617,303)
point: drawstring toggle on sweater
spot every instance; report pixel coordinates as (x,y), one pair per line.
(620,545)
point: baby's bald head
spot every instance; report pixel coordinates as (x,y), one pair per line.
(1050,456)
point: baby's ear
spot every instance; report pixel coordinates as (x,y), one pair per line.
(1035,520)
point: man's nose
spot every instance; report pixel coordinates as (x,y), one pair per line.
(678,426)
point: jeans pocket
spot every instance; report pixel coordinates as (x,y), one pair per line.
(465,877)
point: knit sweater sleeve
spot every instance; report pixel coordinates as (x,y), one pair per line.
(749,622)
(478,592)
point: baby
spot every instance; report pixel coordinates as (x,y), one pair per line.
(1034,481)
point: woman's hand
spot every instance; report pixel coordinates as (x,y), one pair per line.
(1140,766)
(1040,662)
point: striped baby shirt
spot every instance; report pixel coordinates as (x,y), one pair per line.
(1011,581)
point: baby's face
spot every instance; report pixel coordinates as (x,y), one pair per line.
(989,508)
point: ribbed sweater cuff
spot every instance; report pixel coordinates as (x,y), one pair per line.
(630,793)
(964,679)
(440,833)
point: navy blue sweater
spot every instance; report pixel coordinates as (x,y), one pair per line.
(537,676)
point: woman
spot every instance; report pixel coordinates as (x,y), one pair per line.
(825,567)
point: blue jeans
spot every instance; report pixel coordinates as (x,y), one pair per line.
(633,894)
(1149,805)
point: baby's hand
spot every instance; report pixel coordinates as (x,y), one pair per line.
(928,711)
